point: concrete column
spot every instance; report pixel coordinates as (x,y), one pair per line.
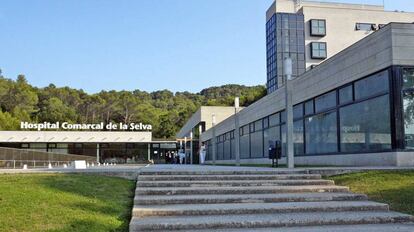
(191,147)
(97,153)
(214,138)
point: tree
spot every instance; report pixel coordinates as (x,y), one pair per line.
(8,122)
(167,112)
(54,110)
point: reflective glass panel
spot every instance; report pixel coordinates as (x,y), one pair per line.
(365,126)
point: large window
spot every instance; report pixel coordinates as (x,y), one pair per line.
(232,146)
(318,50)
(270,134)
(408,100)
(365,126)
(220,147)
(325,101)
(321,133)
(309,107)
(245,142)
(371,86)
(256,139)
(209,150)
(318,27)
(346,94)
(227,147)
(298,137)
(274,119)
(298,111)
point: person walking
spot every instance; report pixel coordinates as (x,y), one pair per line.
(202,153)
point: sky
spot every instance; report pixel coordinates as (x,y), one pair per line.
(180,45)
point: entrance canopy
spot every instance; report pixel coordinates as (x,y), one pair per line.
(75,137)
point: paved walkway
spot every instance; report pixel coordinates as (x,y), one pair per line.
(221,198)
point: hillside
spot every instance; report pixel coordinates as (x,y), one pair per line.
(165,110)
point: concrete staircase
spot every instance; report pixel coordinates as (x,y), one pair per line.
(255,201)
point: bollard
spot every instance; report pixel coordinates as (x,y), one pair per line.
(24,166)
(65,166)
(93,165)
(49,166)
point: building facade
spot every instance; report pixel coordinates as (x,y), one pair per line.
(354,109)
(310,32)
(107,146)
(200,121)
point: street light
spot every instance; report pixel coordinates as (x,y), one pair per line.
(213,127)
(287,71)
(191,147)
(236,130)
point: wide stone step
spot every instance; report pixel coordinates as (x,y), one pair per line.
(235,172)
(226,177)
(246,198)
(265,220)
(233,183)
(395,227)
(256,208)
(240,190)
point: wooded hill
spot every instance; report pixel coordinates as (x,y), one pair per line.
(164,110)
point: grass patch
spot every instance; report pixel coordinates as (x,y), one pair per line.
(395,188)
(64,202)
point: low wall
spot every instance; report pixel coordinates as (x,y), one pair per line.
(398,159)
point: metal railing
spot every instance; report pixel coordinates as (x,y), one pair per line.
(17,158)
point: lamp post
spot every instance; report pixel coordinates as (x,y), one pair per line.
(191,147)
(213,124)
(200,131)
(287,71)
(185,150)
(236,130)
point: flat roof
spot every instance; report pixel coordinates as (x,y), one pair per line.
(204,114)
(75,137)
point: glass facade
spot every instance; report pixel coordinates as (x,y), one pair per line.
(245,142)
(365,126)
(364,116)
(321,133)
(408,106)
(285,37)
(120,153)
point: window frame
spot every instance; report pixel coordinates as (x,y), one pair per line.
(372,27)
(314,33)
(318,57)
